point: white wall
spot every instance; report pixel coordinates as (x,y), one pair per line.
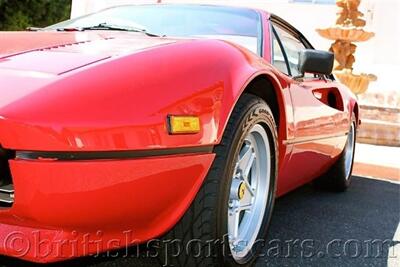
(380,55)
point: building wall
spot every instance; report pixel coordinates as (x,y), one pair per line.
(380,55)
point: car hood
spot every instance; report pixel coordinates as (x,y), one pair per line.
(60,52)
(29,61)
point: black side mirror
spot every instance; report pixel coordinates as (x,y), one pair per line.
(316,62)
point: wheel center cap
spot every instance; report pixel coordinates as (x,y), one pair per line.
(241,191)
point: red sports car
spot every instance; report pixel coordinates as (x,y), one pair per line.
(174,126)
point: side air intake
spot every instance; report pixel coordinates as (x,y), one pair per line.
(6,184)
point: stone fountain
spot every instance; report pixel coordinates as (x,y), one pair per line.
(347,31)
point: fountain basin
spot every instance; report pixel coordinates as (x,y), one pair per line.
(358,83)
(349,34)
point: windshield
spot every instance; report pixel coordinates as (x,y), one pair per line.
(238,25)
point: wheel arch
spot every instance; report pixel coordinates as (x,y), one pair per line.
(266,85)
(264,88)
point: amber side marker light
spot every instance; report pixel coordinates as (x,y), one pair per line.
(183,124)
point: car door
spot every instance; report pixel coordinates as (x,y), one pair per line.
(318,111)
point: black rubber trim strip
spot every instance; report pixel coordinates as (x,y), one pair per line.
(107,155)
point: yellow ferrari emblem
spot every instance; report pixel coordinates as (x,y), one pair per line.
(242,190)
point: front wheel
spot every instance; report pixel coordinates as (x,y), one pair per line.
(231,213)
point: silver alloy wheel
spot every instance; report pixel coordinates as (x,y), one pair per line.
(249,193)
(349,151)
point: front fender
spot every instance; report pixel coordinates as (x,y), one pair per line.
(122,103)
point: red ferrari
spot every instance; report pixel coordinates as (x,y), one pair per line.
(174,126)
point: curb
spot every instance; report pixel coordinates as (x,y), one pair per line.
(376,171)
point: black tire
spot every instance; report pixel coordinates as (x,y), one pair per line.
(338,178)
(206,219)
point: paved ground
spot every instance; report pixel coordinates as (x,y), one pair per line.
(338,224)
(312,228)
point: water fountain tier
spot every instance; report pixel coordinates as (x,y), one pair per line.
(345,33)
(348,29)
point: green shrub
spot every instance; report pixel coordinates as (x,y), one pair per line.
(20,14)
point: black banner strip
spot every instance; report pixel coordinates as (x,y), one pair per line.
(105,155)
